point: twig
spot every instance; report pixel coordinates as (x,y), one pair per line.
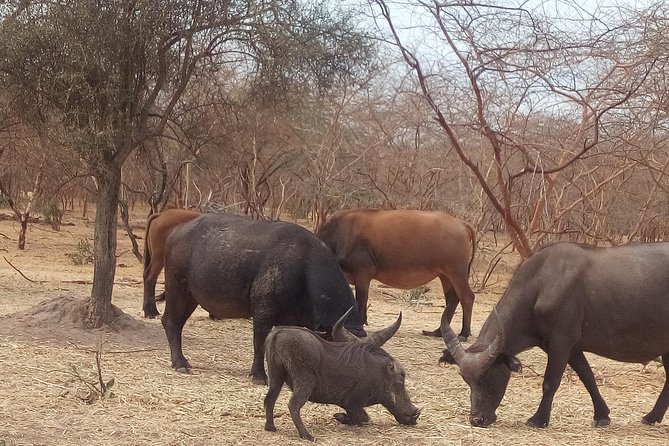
(48,383)
(19,271)
(90,282)
(78,347)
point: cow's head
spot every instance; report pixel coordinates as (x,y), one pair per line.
(378,338)
(487,372)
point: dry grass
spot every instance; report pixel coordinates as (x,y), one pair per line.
(43,402)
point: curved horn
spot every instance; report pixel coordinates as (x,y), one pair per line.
(472,365)
(382,336)
(339,333)
(452,342)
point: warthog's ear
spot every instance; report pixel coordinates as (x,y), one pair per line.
(513,363)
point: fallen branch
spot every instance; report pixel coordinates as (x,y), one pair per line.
(78,347)
(19,271)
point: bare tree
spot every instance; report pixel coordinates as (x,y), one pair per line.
(114,77)
(499,68)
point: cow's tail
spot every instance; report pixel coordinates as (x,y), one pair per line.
(472,238)
(147,249)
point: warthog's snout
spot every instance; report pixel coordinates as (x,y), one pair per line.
(410,417)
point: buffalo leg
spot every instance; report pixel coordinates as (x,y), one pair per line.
(579,363)
(353,416)
(557,362)
(466,298)
(362,297)
(262,325)
(451,301)
(177,312)
(276,379)
(149,306)
(660,408)
(301,391)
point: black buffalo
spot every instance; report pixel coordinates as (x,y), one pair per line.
(568,299)
(235,267)
(351,374)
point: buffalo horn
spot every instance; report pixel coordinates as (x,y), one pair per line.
(339,333)
(472,365)
(378,338)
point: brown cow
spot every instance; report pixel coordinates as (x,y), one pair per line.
(158,227)
(404,249)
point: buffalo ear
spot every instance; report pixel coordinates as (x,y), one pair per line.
(513,363)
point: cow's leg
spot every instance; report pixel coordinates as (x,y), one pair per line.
(150,278)
(660,408)
(354,416)
(302,388)
(276,379)
(558,355)
(451,300)
(466,297)
(579,363)
(362,296)
(177,312)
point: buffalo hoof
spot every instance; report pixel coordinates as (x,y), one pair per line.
(434,333)
(341,417)
(535,422)
(270,427)
(307,436)
(650,420)
(259,380)
(446,358)
(151,314)
(601,423)
(183,370)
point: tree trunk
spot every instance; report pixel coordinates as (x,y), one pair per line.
(23,219)
(99,307)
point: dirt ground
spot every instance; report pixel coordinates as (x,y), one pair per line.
(49,378)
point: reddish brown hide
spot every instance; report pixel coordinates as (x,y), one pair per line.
(404,249)
(158,227)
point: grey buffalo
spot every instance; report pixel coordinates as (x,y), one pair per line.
(349,373)
(235,267)
(569,299)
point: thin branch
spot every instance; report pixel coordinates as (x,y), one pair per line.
(19,271)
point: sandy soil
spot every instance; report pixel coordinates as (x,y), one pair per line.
(49,391)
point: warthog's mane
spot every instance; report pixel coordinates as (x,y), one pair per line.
(351,353)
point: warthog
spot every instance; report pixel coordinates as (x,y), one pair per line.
(350,373)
